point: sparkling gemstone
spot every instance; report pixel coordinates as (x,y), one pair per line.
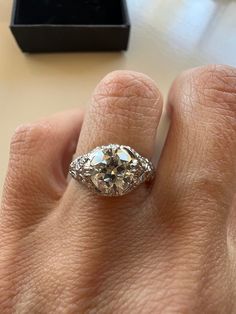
(113,169)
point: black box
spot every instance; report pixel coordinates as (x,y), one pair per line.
(70,25)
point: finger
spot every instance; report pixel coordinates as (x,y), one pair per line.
(125,109)
(197,170)
(39,160)
(98,231)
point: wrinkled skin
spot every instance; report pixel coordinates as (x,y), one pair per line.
(168,247)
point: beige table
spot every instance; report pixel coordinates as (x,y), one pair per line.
(167,37)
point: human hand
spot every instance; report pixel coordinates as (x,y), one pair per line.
(168,247)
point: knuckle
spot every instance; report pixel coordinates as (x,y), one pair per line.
(121,89)
(213,87)
(208,182)
(29,137)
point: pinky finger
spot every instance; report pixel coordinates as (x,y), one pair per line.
(39,158)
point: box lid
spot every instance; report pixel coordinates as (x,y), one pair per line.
(70,25)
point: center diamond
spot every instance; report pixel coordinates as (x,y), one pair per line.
(113,169)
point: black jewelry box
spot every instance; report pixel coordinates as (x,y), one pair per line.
(70,25)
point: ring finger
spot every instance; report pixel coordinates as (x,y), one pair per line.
(125,109)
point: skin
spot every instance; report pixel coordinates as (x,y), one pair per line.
(167,247)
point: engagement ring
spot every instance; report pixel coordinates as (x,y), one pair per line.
(112,170)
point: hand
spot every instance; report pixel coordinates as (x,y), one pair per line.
(168,247)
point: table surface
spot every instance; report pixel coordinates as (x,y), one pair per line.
(167,37)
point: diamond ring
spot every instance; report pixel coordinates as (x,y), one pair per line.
(112,170)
